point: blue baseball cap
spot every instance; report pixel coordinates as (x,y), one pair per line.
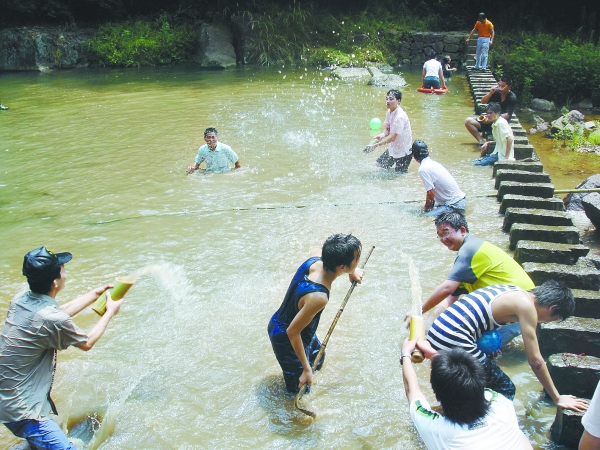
(42,264)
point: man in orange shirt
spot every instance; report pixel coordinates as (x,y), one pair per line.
(485,33)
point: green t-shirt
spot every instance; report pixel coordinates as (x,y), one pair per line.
(480,264)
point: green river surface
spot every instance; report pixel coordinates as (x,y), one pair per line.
(93,162)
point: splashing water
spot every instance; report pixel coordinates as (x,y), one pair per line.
(415,286)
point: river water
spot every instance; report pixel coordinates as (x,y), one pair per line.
(94,163)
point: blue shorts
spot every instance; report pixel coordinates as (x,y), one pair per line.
(44,435)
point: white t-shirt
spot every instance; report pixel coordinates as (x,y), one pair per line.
(435,176)
(432,68)
(396,122)
(591,419)
(498,430)
(501,131)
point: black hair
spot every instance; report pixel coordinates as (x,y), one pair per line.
(340,250)
(446,59)
(453,218)
(419,150)
(494,107)
(41,286)
(396,93)
(458,381)
(482,15)
(211,130)
(431,54)
(507,80)
(553,293)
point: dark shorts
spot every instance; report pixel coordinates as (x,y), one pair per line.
(286,356)
(484,127)
(387,162)
(498,381)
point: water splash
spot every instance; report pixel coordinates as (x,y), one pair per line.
(415,287)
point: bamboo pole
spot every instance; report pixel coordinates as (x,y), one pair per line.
(326,340)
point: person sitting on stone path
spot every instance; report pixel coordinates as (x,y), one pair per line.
(478,264)
(472,416)
(503,139)
(217,155)
(501,93)
(492,307)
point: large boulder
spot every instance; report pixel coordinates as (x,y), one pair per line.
(591,206)
(215,47)
(42,48)
(380,79)
(573,201)
(540,125)
(570,122)
(540,104)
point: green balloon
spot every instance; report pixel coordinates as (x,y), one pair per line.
(375,123)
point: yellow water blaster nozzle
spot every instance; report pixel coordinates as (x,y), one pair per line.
(417,328)
(122,285)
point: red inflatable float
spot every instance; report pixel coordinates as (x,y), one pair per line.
(433,91)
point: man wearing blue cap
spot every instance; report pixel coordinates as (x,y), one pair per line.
(36,327)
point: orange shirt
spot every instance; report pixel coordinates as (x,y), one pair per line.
(484,29)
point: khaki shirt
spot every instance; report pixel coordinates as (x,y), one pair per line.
(35,328)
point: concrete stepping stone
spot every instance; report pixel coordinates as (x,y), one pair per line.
(518,165)
(587,303)
(550,252)
(535,217)
(544,190)
(575,335)
(523,151)
(574,276)
(567,428)
(521,176)
(574,374)
(525,201)
(547,233)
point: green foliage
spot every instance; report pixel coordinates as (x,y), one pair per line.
(313,35)
(594,137)
(142,43)
(551,67)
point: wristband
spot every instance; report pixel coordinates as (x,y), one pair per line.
(404,355)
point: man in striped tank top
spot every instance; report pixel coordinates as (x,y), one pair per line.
(492,307)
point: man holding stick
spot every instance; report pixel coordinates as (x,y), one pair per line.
(292,329)
(36,327)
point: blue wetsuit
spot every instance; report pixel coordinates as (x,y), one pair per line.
(286,356)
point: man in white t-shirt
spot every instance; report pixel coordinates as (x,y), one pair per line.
(397,135)
(443,193)
(591,422)
(433,73)
(473,417)
(503,138)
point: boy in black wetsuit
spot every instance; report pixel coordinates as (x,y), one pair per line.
(292,329)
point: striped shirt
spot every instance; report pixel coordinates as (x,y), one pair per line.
(466,320)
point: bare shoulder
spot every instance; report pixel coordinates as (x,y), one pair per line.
(315,252)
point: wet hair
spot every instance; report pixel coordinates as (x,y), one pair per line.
(507,80)
(494,107)
(396,93)
(453,218)
(42,286)
(419,150)
(211,130)
(554,293)
(458,381)
(340,250)
(482,15)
